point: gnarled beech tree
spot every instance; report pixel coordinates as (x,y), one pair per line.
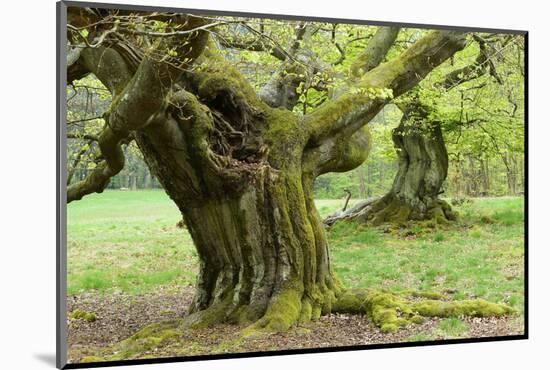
(422,168)
(240,171)
(422,157)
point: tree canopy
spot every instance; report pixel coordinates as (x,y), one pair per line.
(480,115)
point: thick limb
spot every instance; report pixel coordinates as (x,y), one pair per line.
(352,110)
(374,52)
(138,95)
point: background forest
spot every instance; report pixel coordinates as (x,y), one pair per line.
(482,116)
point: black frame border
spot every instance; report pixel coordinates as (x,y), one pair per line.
(61,214)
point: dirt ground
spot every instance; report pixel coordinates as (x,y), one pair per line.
(120,315)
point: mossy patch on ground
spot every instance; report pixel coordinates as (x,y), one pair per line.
(89,359)
(144,341)
(80,314)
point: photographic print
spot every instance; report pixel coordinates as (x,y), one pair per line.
(261,184)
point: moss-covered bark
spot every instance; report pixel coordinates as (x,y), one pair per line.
(262,249)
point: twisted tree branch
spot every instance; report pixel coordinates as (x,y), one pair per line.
(138,96)
(355,108)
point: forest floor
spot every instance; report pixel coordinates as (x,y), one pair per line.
(130,266)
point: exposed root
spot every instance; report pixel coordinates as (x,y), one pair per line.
(146,339)
(390,209)
(283,311)
(390,311)
(215,314)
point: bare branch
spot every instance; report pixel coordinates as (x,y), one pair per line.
(375,51)
(144,94)
(83,150)
(109,144)
(173,33)
(84,120)
(342,56)
(478,68)
(97,42)
(88,137)
(281,89)
(252,45)
(270,39)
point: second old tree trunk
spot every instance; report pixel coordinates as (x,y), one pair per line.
(422,168)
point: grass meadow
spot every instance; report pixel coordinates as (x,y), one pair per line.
(127,241)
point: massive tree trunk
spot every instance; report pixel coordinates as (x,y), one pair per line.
(262,248)
(422,168)
(240,171)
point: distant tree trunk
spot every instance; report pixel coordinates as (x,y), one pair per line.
(521,174)
(381,173)
(362,186)
(147,182)
(510,163)
(473,178)
(473,175)
(459,188)
(423,164)
(369,179)
(484,167)
(123,181)
(134,182)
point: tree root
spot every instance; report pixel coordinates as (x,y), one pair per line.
(390,311)
(390,209)
(146,339)
(283,311)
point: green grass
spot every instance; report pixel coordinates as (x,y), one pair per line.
(469,258)
(127,241)
(419,338)
(452,327)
